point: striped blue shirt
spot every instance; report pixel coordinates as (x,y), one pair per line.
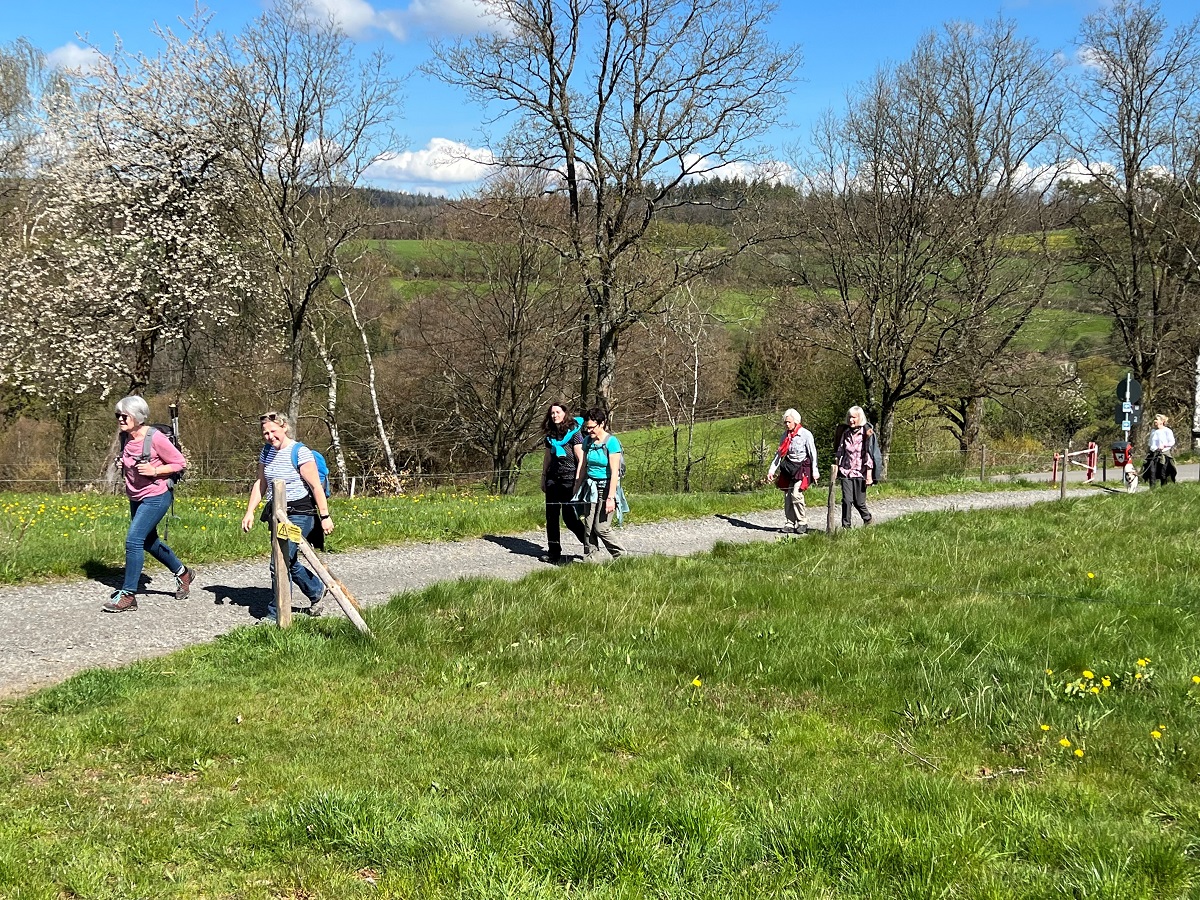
(278,464)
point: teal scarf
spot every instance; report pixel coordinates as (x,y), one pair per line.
(560,445)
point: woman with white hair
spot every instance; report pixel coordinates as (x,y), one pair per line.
(795,463)
(148,471)
(859,463)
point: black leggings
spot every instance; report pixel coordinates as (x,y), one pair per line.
(558,502)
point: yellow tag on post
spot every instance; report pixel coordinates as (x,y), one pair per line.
(291,532)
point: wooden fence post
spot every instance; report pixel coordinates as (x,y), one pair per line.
(1062,476)
(831,522)
(282,582)
(983,462)
(348,604)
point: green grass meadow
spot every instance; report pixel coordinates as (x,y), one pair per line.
(981,705)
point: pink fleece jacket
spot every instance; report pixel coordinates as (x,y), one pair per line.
(162,453)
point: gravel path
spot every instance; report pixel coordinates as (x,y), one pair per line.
(55,630)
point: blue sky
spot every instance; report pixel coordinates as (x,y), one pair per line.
(841,45)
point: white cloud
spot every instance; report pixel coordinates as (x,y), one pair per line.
(445,17)
(356,17)
(701,168)
(440,168)
(72,56)
(1090,58)
(430,17)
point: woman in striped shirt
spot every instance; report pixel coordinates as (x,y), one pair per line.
(282,459)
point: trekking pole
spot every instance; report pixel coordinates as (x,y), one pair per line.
(173,412)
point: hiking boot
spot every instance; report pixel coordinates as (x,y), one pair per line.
(121,601)
(316,608)
(183,584)
(801,530)
(553,558)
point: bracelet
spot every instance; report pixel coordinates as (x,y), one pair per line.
(324,515)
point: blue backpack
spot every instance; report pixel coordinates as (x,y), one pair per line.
(322,466)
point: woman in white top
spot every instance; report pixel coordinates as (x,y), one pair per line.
(306,500)
(1160,467)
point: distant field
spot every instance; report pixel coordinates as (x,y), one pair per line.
(1063,330)
(729,454)
(407,254)
(742,307)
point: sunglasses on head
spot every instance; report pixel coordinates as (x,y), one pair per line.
(269,417)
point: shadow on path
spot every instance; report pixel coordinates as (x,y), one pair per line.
(255,599)
(102,573)
(752,526)
(112,577)
(515,545)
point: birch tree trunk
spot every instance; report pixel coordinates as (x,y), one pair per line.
(331,405)
(347,297)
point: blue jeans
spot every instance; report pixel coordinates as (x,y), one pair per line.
(142,538)
(310,585)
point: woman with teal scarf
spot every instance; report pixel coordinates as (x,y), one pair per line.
(562,474)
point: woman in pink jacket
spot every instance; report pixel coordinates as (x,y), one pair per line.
(149,488)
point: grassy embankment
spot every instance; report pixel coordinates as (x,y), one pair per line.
(998,704)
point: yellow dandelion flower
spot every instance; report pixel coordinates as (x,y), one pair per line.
(1093,689)
(1051,672)
(1162,727)
(1196,679)
(696,681)
(1079,752)
(1142,662)
(1091,575)
(1138,675)
(1156,734)
(1065,742)
(1087,673)
(1045,728)
(1105,681)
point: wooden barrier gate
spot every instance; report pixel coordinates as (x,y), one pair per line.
(282,531)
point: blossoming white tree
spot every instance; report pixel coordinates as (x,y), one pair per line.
(134,247)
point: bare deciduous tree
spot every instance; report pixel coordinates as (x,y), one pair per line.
(1139,97)
(500,348)
(309,119)
(685,336)
(618,103)
(356,281)
(912,213)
